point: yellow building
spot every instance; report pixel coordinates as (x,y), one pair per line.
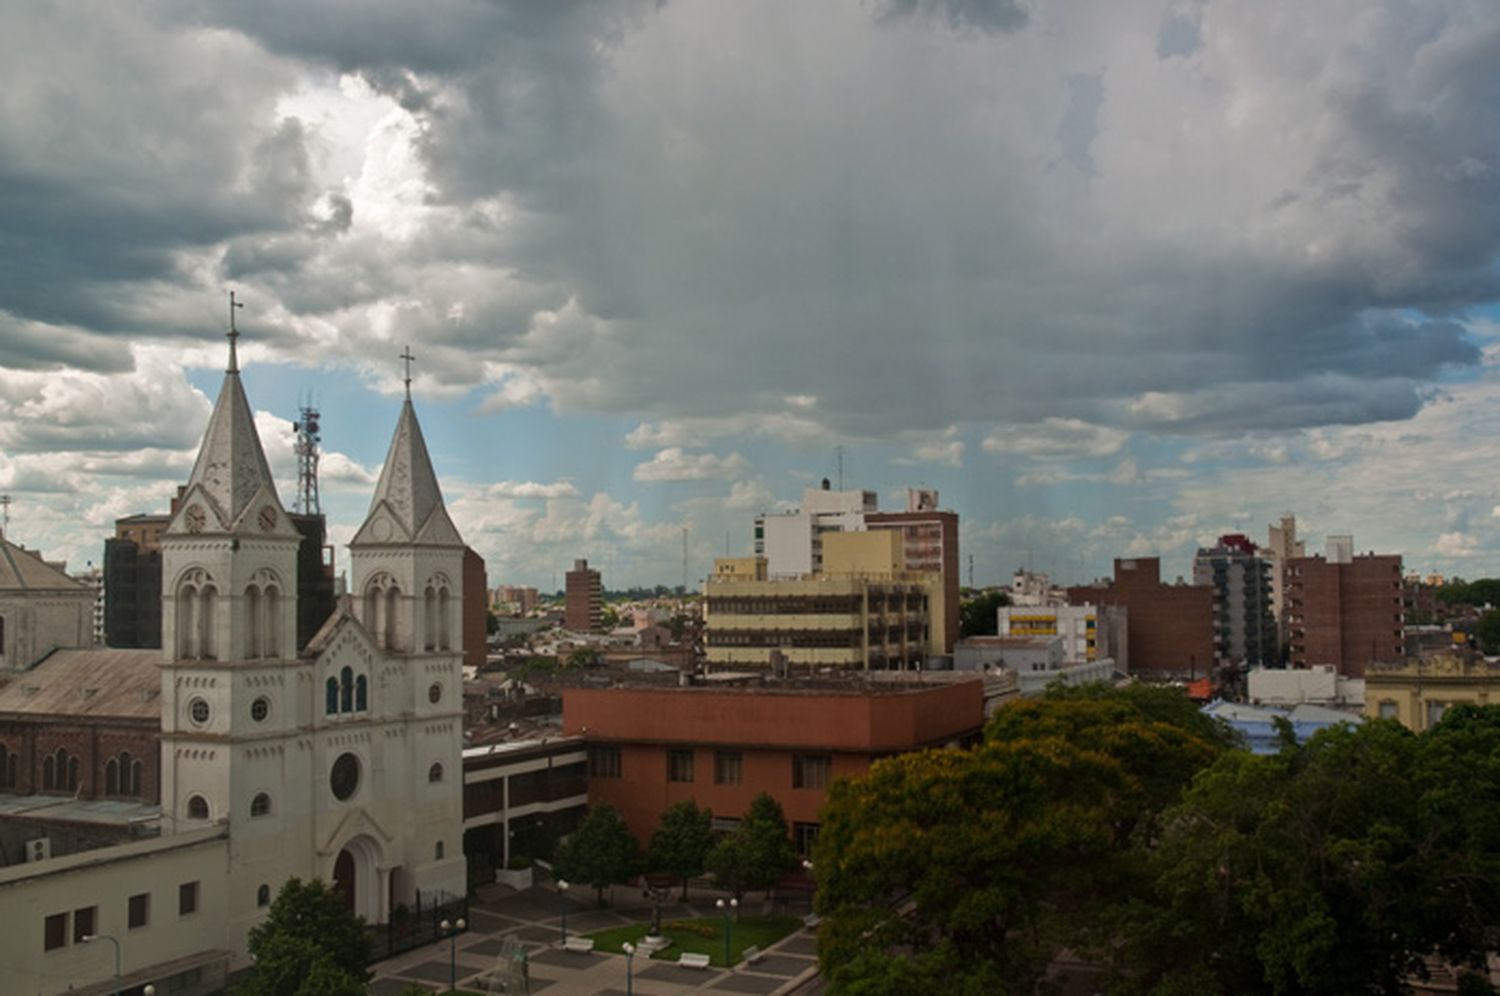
(862,611)
(1418,692)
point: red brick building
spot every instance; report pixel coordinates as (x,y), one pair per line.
(1170,627)
(1346,614)
(931,542)
(652,747)
(583,611)
(476,609)
(84,724)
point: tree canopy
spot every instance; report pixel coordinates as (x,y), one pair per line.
(758,852)
(681,843)
(309,944)
(1124,826)
(601,852)
(978,616)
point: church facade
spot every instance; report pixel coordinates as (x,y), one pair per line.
(342,762)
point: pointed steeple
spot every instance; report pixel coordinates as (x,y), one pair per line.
(408,504)
(231,471)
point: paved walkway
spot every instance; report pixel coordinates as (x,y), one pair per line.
(532,919)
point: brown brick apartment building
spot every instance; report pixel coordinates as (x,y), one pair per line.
(931,544)
(1170,626)
(652,747)
(1346,614)
(583,609)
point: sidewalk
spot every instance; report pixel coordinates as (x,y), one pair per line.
(532,918)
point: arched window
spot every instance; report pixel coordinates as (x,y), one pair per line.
(128,784)
(392,606)
(137,778)
(112,777)
(2,636)
(331,695)
(49,773)
(346,690)
(207,599)
(372,612)
(272,611)
(429,619)
(187,629)
(72,785)
(445,622)
(252,623)
(197,807)
(263,896)
(361,694)
(437,851)
(7,767)
(260,805)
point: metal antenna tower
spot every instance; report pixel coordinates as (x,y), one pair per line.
(839,449)
(309,435)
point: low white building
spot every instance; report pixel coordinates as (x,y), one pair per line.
(1319,685)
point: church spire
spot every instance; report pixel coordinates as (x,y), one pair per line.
(231,469)
(408,504)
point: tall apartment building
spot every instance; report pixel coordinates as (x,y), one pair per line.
(864,611)
(517,599)
(476,609)
(583,610)
(792,542)
(931,539)
(1344,610)
(1244,622)
(1170,626)
(1282,545)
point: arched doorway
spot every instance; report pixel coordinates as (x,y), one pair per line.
(358,878)
(343,877)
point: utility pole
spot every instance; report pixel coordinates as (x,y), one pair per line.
(839,450)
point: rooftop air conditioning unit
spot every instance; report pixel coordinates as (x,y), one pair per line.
(39,849)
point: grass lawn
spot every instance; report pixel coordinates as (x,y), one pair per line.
(704,936)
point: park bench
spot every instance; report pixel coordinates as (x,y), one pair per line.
(582,945)
(752,954)
(689,959)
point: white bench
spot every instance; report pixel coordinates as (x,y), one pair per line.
(752,954)
(582,945)
(689,959)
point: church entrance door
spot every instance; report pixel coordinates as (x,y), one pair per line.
(343,877)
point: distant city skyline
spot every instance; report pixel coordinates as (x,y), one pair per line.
(1114,278)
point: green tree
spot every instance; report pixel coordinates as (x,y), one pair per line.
(1009,852)
(583,657)
(681,844)
(1330,867)
(601,852)
(308,927)
(1488,632)
(758,852)
(978,616)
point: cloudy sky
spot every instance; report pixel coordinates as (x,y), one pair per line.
(1113,275)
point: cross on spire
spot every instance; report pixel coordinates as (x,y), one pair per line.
(233,334)
(406,358)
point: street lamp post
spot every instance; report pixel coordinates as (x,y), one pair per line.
(453,930)
(728,910)
(562,894)
(629,950)
(89,938)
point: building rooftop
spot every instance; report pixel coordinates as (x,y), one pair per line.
(87,684)
(109,812)
(23,568)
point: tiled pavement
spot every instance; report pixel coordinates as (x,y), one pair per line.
(532,917)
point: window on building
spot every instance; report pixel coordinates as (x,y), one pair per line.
(435,773)
(260,709)
(1435,712)
(263,896)
(361,694)
(55,932)
(187,898)
(810,771)
(725,824)
(803,835)
(197,808)
(331,696)
(679,765)
(260,805)
(346,690)
(7,767)
(139,911)
(85,923)
(728,767)
(604,762)
(437,851)
(1388,710)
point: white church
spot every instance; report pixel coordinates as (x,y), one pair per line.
(342,762)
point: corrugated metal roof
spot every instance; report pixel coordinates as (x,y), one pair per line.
(23,568)
(90,684)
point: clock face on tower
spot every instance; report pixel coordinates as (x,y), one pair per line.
(267,518)
(194,519)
